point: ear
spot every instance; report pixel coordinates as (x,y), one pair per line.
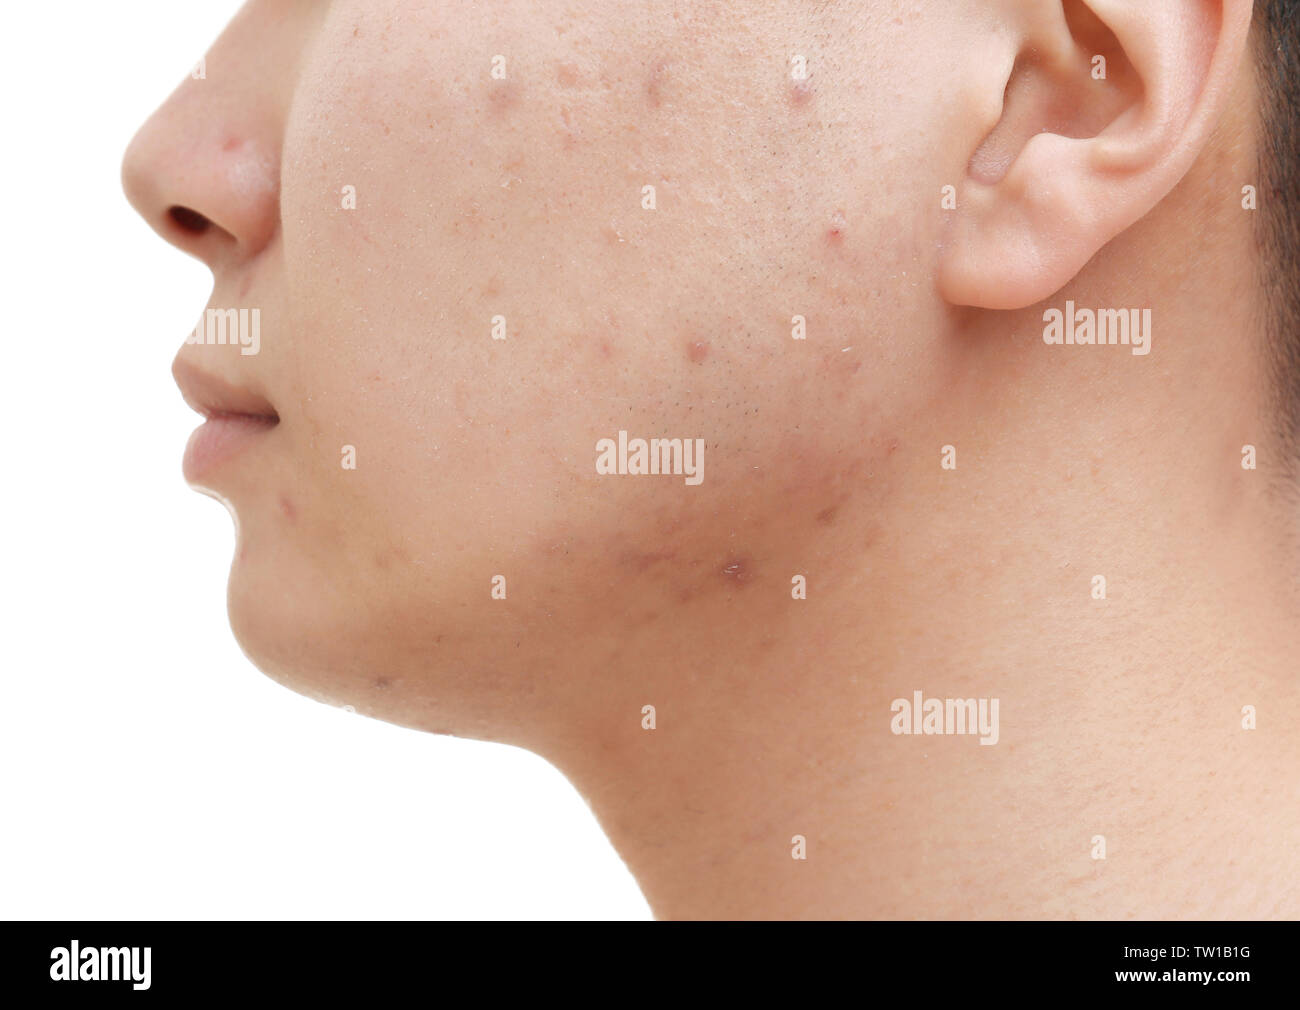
(1069,158)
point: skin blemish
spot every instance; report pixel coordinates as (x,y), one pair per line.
(827,516)
(801,93)
(287,508)
(641,561)
(697,351)
(503,95)
(835,233)
(569,135)
(655,83)
(736,571)
(566,74)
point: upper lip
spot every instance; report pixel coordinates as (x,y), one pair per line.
(213,396)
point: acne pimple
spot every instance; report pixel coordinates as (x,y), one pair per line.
(287,508)
(736,570)
(801,93)
(835,233)
(697,351)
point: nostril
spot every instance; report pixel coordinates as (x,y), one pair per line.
(189,220)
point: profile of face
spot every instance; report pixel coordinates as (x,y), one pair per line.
(601,359)
(482,238)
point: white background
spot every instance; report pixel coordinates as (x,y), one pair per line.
(146,768)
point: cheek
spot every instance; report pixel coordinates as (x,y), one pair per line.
(520,207)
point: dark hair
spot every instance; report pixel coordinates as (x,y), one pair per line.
(1277,23)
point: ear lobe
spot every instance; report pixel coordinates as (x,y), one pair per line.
(1074,158)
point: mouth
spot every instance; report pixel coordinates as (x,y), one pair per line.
(234,418)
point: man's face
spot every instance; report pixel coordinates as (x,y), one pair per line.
(636,196)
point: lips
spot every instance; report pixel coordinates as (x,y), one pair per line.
(235,418)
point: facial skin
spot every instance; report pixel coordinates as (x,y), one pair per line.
(522,197)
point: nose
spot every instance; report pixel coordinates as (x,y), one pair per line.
(204,170)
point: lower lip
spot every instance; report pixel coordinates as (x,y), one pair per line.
(221,438)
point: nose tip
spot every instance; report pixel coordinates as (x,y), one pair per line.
(206,183)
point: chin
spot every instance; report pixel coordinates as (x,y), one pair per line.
(336,642)
(274,619)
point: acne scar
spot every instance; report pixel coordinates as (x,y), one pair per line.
(801,93)
(503,95)
(641,561)
(655,83)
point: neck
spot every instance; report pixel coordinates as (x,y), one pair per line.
(1121,719)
